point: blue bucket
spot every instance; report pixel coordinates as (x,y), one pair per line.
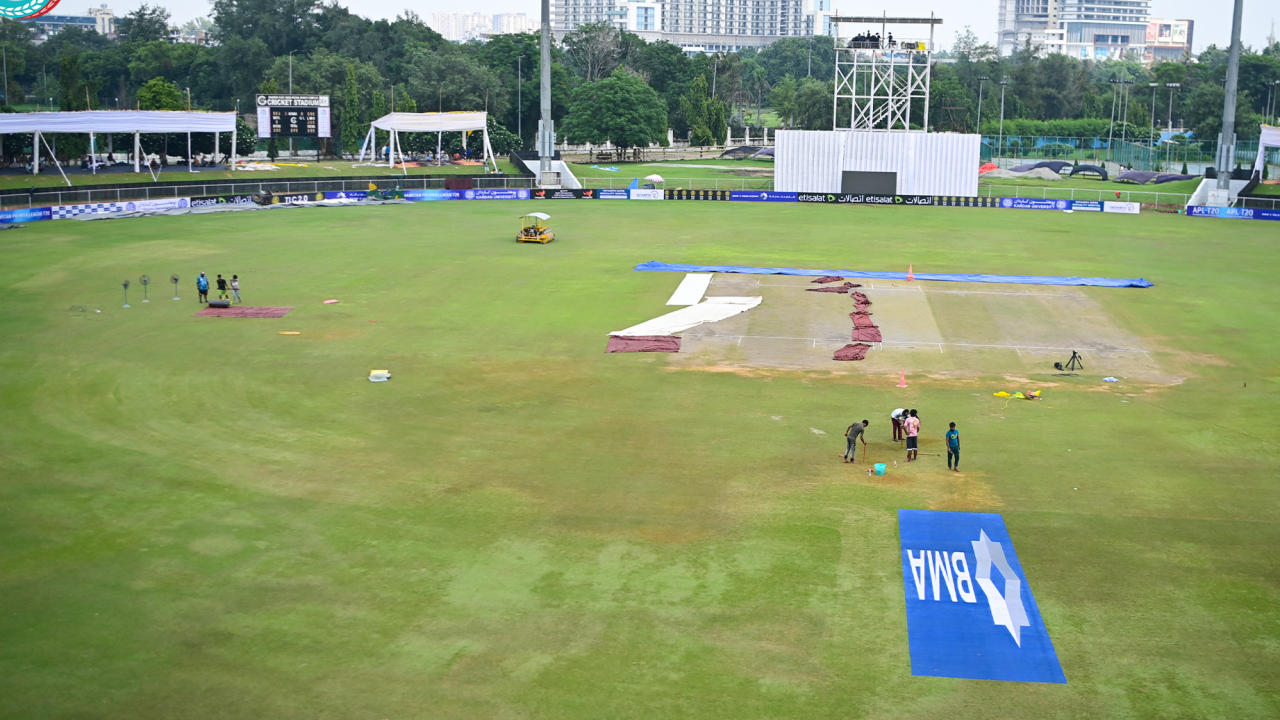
(879,468)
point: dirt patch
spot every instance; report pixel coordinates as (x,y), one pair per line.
(953,331)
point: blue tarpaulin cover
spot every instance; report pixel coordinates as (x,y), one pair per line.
(654,265)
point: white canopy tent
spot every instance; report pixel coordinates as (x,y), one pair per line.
(438,123)
(118,122)
(1269,138)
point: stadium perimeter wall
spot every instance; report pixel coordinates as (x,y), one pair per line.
(926,163)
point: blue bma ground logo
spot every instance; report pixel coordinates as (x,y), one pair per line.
(970,611)
(25,8)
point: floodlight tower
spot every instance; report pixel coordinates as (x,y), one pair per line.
(546,128)
(878,76)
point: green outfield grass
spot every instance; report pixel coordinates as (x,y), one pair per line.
(49,176)
(202,518)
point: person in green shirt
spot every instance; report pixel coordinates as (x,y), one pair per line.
(851,435)
(953,448)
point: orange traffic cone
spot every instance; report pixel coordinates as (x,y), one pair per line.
(910,275)
(902,378)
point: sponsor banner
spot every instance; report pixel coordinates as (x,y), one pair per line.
(22,215)
(212,200)
(1231,212)
(1034,204)
(496,194)
(682,194)
(762,196)
(1087,205)
(296,198)
(62,212)
(432,195)
(1127,208)
(965,201)
(563,194)
(162,204)
(645,194)
(347,195)
(612,194)
(970,611)
(864,199)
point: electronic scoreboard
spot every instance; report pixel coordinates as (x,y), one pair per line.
(293,116)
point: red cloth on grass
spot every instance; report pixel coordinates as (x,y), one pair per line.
(860,298)
(827,279)
(863,321)
(244,311)
(835,288)
(867,334)
(856,351)
(643,343)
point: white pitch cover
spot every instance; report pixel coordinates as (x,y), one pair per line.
(713,309)
(926,163)
(691,289)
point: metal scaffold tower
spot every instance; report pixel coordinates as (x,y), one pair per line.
(879,76)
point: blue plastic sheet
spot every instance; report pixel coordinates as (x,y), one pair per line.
(654,265)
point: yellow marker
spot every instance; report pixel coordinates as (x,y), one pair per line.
(290,332)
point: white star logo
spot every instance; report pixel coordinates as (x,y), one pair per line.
(1006,608)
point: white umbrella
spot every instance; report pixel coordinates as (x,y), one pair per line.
(655,178)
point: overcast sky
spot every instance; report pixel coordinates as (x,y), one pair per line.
(1213,19)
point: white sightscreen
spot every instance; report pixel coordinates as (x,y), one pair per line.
(926,163)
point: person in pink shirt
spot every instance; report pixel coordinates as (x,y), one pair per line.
(912,426)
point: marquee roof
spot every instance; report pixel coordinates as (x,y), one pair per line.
(118,121)
(432,122)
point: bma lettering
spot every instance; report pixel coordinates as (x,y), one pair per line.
(941,569)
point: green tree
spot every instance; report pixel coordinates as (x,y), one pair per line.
(594,50)
(378,108)
(160,94)
(72,93)
(813,105)
(269,87)
(782,98)
(351,119)
(149,23)
(283,25)
(707,117)
(620,109)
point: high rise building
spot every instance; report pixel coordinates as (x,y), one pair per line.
(100,20)
(1169,40)
(509,23)
(1086,29)
(461,27)
(698,25)
(1019,22)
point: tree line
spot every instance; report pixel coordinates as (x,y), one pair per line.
(606,84)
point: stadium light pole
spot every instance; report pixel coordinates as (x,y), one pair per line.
(1172,87)
(1153,87)
(546,129)
(1000,143)
(291,52)
(1111,128)
(1227,141)
(1124,123)
(981,79)
(520,98)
